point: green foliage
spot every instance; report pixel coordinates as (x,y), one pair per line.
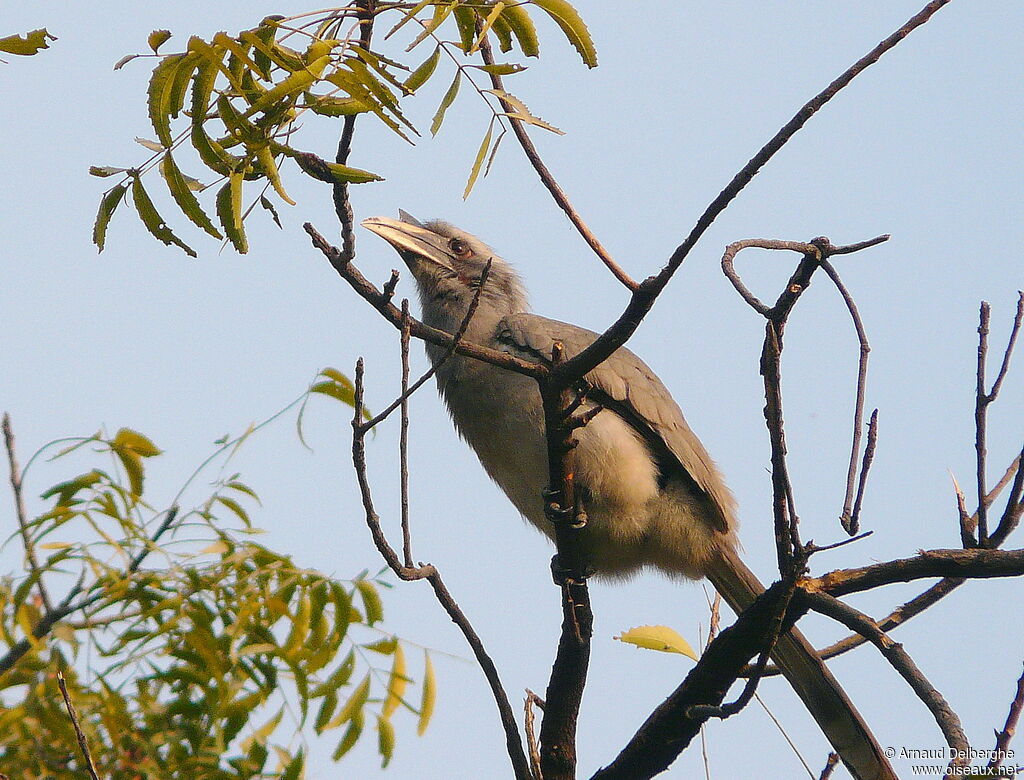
(208,654)
(28,44)
(239,101)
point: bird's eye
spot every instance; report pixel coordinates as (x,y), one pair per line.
(459,247)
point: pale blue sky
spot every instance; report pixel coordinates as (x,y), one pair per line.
(925,145)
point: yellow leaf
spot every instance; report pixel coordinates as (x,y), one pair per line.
(429,695)
(217,547)
(396,684)
(661,638)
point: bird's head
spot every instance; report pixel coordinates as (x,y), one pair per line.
(448,264)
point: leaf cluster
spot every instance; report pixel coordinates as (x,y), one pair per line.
(239,101)
(206,664)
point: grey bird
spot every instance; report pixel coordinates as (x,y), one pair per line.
(652,495)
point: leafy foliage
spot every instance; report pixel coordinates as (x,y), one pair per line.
(208,664)
(237,100)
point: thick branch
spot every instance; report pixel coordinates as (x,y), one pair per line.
(969,564)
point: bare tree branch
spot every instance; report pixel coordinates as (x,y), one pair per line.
(901,661)
(513,741)
(644,296)
(1009,727)
(970,564)
(22,515)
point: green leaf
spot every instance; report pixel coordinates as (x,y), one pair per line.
(385,740)
(501,68)
(266,159)
(503,31)
(153,221)
(478,163)
(371,600)
(290,87)
(210,152)
(27,44)
(523,29)
(446,101)
(229,210)
(572,25)
(408,16)
(328,105)
(353,707)
(465,19)
(109,202)
(265,203)
(423,72)
(66,490)
(157,96)
(158,38)
(429,694)
(182,194)
(352,734)
(235,508)
(441,13)
(320,169)
(175,97)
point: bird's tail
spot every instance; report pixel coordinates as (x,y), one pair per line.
(820,692)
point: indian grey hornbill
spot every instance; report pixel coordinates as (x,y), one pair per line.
(652,495)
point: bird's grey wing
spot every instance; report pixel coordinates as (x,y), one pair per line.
(627,386)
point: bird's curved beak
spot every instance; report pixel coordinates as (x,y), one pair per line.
(415,243)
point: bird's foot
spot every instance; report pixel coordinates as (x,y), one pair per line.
(573,516)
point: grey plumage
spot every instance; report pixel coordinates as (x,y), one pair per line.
(653,496)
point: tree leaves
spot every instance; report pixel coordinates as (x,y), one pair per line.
(572,25)
(244,93)
(661,638)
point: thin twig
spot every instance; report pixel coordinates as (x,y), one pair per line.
(784,733)
(1002,749)
(900,660)
(22,515)
(513,741)
(403,441)
(981,402)
(83,744)
(548,179)
(850,516)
